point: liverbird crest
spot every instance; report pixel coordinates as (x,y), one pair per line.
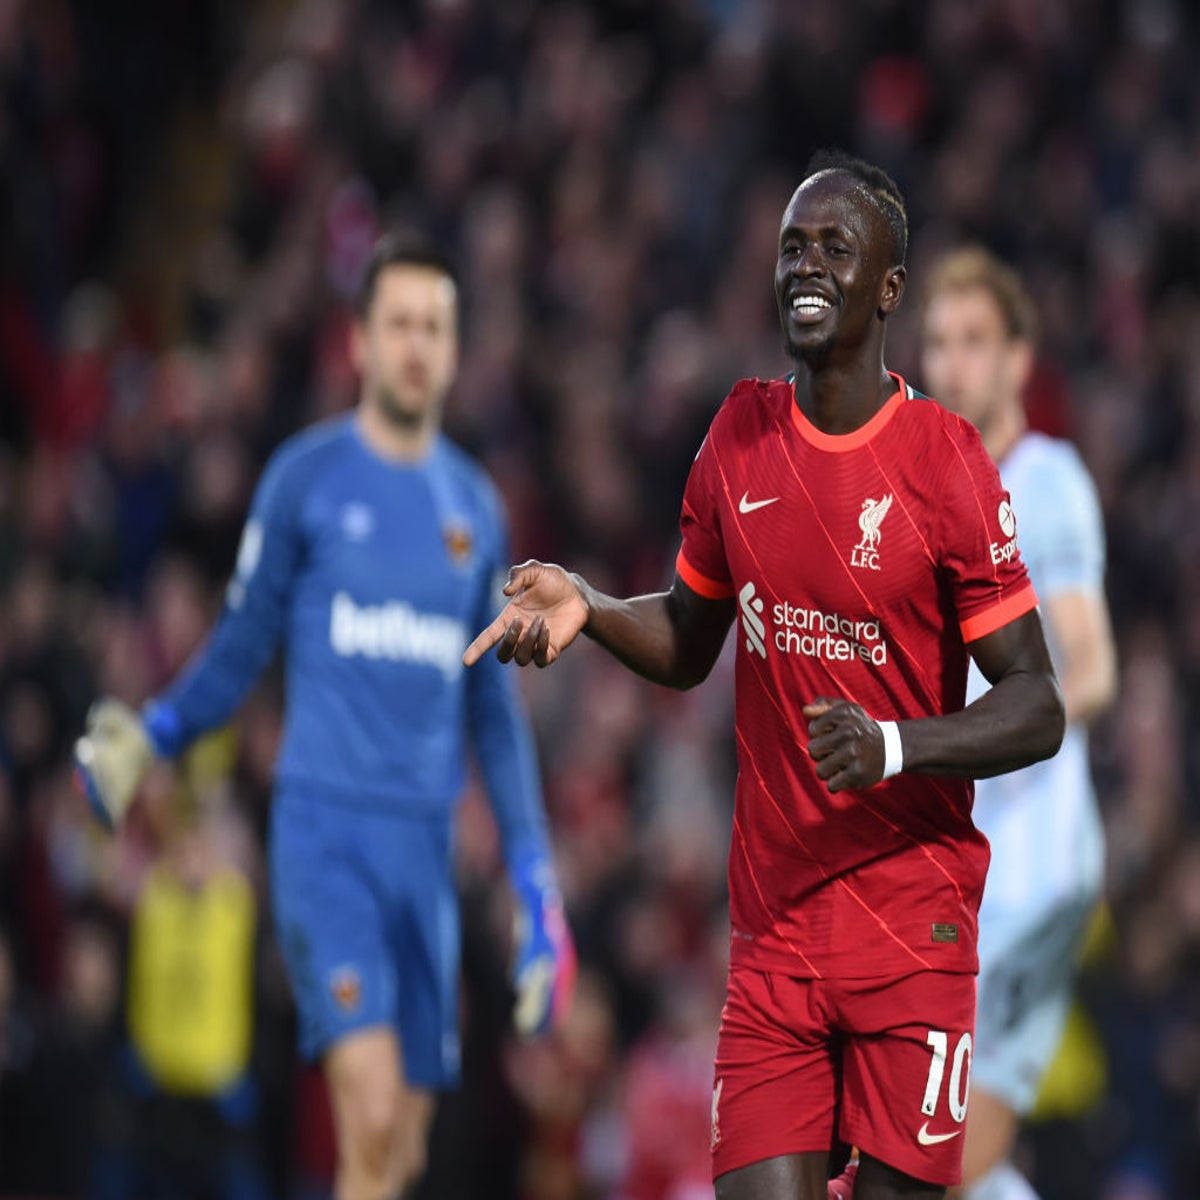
(869,520)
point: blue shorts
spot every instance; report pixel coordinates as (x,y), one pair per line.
(367,917)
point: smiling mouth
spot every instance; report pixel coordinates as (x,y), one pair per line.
(810,307)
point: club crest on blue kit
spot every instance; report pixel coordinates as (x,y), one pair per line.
(345,985)
(459,542)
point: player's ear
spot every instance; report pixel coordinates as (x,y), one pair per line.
(1021,358)
(892,291)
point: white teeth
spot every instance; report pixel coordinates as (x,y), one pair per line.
(808,305)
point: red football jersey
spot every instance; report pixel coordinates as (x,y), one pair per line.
(862,565)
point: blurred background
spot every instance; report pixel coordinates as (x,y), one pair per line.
(189,190)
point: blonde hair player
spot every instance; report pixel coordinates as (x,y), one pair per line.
(1045,831)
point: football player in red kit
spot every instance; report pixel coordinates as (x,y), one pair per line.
(858,536)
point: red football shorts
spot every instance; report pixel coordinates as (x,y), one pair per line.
(887,1061)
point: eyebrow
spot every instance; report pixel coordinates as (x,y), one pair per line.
(825,231)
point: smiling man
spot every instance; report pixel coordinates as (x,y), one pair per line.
(845,523)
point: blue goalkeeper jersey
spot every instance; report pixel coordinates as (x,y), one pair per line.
(374,575)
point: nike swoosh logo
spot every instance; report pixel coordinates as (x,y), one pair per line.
(933,1139)
(746,505)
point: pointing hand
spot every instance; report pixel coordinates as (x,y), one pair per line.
(543,618)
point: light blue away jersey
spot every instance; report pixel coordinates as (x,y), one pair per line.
(374,575)
(1042,821)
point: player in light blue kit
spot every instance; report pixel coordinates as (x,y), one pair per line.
(372,548)
(1045,831)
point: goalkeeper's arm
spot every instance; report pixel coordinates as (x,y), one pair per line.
(119,744)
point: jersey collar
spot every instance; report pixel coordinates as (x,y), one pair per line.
(839,442)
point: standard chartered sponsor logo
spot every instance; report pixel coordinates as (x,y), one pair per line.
(397,632)
(818,634)
(812,632)
(752,622)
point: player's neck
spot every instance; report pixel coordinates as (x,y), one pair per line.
(393,441)
(840,399)
(1004,430)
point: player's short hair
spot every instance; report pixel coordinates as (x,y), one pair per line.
(976,267)
(402,248)
(881,187)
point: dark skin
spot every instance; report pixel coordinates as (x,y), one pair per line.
(836,255)
(835,245)
(803,1177)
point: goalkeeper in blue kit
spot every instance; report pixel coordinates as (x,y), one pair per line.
(372,548)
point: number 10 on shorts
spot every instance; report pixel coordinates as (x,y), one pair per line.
(960,1074)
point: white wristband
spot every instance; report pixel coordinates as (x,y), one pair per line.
(893,749)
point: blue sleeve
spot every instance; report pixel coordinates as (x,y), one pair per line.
(1067,530)
(500,729)
(217,679)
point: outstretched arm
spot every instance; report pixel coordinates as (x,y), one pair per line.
(1018,721)
(672,638)
(119,744)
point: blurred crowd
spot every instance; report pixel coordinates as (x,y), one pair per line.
(189,192)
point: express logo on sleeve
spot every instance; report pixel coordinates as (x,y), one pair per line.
(1002,553)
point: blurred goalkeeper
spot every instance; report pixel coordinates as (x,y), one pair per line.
(373,546)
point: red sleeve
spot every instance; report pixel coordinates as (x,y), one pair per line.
(979,540)
(701,563)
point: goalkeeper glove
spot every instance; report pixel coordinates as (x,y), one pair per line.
(111,758)
(544,967)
